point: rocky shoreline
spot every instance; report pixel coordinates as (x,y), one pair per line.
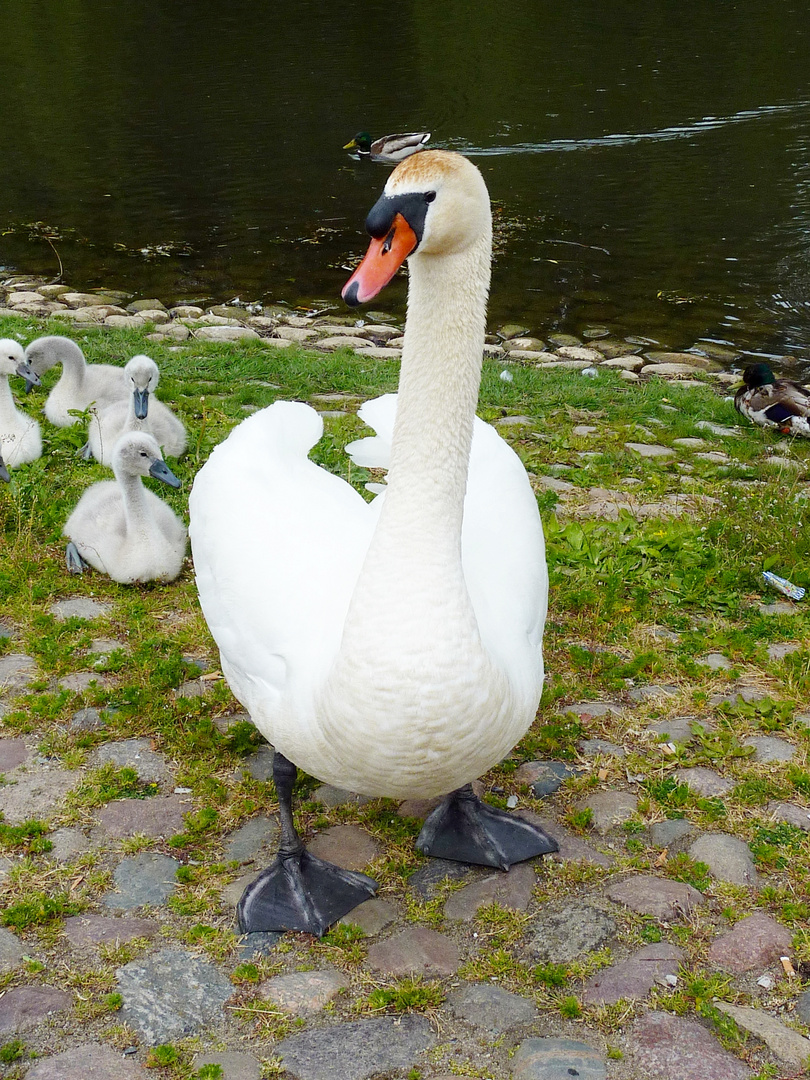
(372,335)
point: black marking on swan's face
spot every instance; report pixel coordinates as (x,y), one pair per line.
(413,206)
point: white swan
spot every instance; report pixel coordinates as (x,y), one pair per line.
(80,384)
(391,648)
(140,412)
(123,529)
(20,438)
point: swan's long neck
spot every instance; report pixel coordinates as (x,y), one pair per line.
(413,562)
(136,511)
(74,369)
(8,410)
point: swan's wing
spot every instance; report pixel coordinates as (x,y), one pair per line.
(503,550)
(277,544)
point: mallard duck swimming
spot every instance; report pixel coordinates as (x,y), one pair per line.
(772,402)
(390,148)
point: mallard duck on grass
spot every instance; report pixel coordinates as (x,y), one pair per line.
(390,148)
(772,402)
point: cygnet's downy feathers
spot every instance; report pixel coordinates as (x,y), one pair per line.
(20,439)
(123,529)
(80,384)
(141,411)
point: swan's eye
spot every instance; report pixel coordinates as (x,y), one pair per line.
(388,241)
(430,196)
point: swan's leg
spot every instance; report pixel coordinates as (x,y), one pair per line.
(75,563)
(85,453)
(298,891)
(464,828)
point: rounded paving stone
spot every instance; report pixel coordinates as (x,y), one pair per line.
(768,748)
(347,846)
(791,814)
(13,752)
(512,890)
(659,898)
(83,930)
(728,858)
(156,816)
(247,842)
(147,878)
(415,951)
(665,833)
(609,808)
(17,670)
(235,1066)
(705,782)
(135,754)
(93,1061)
(633,978)
(303,992)
(755,942)
(171,994)
(24,1007)
(371,916)
(663,1045)
(564,932)
(80,607)
(356,1050)
(490,1008)
(557,1059)
(36,794)
(67,844)
(11,951)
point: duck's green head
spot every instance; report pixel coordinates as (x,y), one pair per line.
(361,142)
(758,375)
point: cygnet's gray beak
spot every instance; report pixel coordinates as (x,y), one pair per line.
(141,398)
(161,471)
(4,474)
(27,372)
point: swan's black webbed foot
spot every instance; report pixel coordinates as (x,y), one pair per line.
(301,892)
(464,828)
(75,563)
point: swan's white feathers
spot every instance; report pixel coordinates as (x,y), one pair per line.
(80,384)
(20,437)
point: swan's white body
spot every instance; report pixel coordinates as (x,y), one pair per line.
(20,437)
(393,647)
(108,425)
(80,384)
(123,529)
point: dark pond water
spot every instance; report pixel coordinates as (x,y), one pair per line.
(649,164)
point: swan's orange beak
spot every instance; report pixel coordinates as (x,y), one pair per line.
(382,260)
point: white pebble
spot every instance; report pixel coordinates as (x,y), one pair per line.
(590,373)
(507,376)
(511,802)
(765,981)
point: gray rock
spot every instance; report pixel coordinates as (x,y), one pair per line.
(676,729)
(791,814)
(803,1007)
(24,1007)
(303,992)
(92,1061)
(660,898)
(260,763)
(147,878)
(653,692)
(787,1044)
(135,754)
(557,1059)
(490,1008)
(11,951)
(415,951)
(665,833)
(512,890)
(610,808)
(768,748)
(345,845)
(225,333)
(728,858)
(371,917)
(755,942)
(257,944)
(89,719)
(715,661)
(13,752)
(158,816)
(17,670)
(544,777)
(571,847)
(663,1045)
(632,979)
(592,748)
(79,682)
(235,1066)
(564,932)
(778,607)
(588,710)
(782,649)
(260,834)
(36,794)
(358,1049)
(170,994)
(427,879)
(333,796)
(650,450)
(91,930)
(67,844)
(717,429)
(80,607)
(705,782)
